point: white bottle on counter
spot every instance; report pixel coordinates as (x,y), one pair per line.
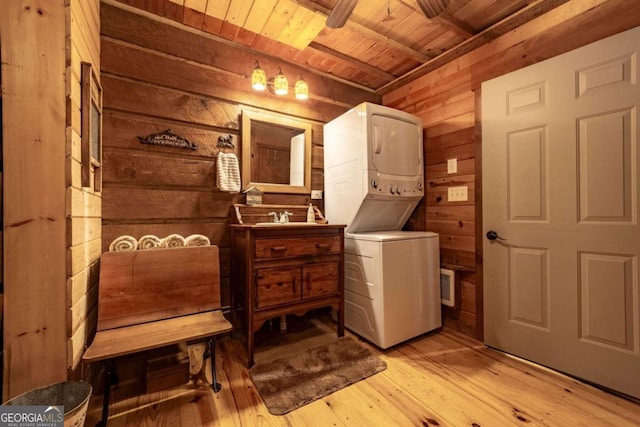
(311,215)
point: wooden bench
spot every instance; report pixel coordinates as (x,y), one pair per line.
(154,298)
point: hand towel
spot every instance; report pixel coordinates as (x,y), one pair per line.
(197,240)
(149,241)
(228,172)
(123,243)
(172,241)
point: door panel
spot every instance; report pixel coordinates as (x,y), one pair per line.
(528,293)
(527,159)
(560,185)
(606,166)
(606,286)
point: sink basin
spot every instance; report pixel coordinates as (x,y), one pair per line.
(284,224)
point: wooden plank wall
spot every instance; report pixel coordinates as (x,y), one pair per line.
(447,100)
(33,102)
(159,74)
(84,226)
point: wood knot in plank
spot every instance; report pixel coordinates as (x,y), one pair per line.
(39,10)
(517,414)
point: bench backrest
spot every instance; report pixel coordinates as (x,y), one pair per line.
(144,286)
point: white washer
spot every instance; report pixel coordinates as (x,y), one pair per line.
(392,290)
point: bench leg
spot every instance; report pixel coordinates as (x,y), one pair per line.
(109,379)
(215,385)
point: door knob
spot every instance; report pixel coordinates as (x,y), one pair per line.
(492,235)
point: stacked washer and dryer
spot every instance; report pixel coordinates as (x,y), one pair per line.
(373,158)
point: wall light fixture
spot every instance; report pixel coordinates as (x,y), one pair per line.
(302,89)
(279,84)
(258,77)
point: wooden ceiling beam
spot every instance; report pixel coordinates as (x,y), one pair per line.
(519,18)
(454,25)
(357,64)
(447,21)
(368,33)
(388,42)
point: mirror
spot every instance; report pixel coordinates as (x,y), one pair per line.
(276,153)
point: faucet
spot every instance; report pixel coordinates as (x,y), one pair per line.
(274,216)
(284,216)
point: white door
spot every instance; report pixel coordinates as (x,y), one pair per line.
(560,184)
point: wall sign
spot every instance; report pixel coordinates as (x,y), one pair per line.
(168,138)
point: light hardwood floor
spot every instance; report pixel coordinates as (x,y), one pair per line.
(440,379)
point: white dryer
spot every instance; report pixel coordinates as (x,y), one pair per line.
(373,168)
(373,182)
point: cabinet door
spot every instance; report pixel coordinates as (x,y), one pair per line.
(277,286)
(320,279)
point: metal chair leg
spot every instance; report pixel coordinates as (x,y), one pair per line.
(109,379)
(215,385)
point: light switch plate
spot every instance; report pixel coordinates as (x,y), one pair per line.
(452,166)
(458,194)
(316,194)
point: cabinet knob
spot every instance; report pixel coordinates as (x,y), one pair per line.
(278,248)
(324,246)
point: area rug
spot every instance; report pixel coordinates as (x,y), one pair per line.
(289,382)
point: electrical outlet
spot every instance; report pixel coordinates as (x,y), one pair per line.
(458,194)
(316,194)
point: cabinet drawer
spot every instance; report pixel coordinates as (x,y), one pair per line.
(320,279)
(277,286)
(310,246)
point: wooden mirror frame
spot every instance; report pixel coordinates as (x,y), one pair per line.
(279,120)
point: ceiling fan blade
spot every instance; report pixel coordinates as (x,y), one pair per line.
(433,8)
(340,13)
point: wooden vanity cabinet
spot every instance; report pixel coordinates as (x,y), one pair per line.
(279,270)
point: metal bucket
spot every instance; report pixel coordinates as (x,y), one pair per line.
(74,395)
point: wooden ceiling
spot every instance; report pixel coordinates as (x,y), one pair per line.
(384,44)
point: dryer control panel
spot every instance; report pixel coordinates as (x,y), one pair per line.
(394,187)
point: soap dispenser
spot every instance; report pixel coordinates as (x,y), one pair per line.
(311,215)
